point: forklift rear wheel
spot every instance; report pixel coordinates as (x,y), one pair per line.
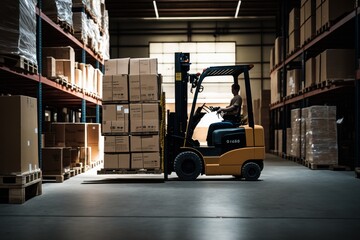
(251,171)
(188,166)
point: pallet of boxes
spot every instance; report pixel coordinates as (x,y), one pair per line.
(20,175)
(131,116)
(70,149)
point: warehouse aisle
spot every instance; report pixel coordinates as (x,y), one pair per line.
(289,202)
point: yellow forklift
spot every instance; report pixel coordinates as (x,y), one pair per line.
(237,151)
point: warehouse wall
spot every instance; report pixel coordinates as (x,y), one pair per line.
(254,39)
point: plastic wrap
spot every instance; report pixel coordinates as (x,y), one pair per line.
(18,29)
(95,9)
(295,131)
(80,23)
(58,10)
(106,37)
(321,135)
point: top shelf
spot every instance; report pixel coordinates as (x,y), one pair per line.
(334,37)
(53,34)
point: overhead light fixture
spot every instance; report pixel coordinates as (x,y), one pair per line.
(237,9)
(156,10)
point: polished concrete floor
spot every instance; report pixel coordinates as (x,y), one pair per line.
(289,201)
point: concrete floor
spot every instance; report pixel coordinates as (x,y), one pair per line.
(289,202)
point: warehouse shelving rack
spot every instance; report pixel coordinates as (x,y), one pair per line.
(48,92)
(342,34)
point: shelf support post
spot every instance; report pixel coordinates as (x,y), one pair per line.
(357,92)
(83,110)
(39,93)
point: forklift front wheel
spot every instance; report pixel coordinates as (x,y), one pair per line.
(251,171)
(188,166)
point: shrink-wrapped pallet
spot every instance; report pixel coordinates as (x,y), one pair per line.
(321,135)
(18,29)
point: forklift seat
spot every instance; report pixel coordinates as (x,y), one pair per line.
(218,134)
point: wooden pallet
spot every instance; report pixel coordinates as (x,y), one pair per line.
(333,167)
(129,171)
(20,188)
(59,178)
(18,63)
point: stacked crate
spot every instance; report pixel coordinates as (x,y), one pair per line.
(59,64)
(131,120)
(329,11)
(294,30)
(307,21)
(321,135)
(70,145)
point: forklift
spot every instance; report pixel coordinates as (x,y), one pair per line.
(238,151)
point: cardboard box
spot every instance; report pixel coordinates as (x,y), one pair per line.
(149,87)
(151,160)
(75,135)
(134,88)
(332,10)
(278,50)
(52,161)
(19,135)
(93,140)
(75,157)
(308,7)
(85,155)
(143,88)
(309,28)
(82,67)
(78,78)
(144,117)
(120,88)
(294,20)
(294,41)
(140,66)
(137,161)
(118,66)
(50,67)
(318,16)
(49,139)
(310,72)
(117,161)
(107,88)
(116,118)
(337,64)
(116,144)
(59,130)
(318,69)
(111,161)
(145,143)
(302,35)
(124,161)
(302,15)
(272,58)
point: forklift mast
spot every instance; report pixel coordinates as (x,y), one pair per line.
(177,121)
(182,66)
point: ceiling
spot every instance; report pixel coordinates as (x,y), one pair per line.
(138,9)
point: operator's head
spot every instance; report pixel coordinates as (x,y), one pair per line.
(235,88)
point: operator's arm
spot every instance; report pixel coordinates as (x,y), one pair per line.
(228,108)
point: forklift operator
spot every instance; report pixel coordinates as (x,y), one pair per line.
(231,114)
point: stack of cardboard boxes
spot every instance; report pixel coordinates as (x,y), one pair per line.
(59,62)
(131,94)
(328,11)
(68,145)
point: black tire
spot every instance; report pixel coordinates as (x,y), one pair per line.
(188,166)
(251,171)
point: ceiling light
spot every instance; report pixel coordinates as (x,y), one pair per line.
(156,10)
(237,9)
